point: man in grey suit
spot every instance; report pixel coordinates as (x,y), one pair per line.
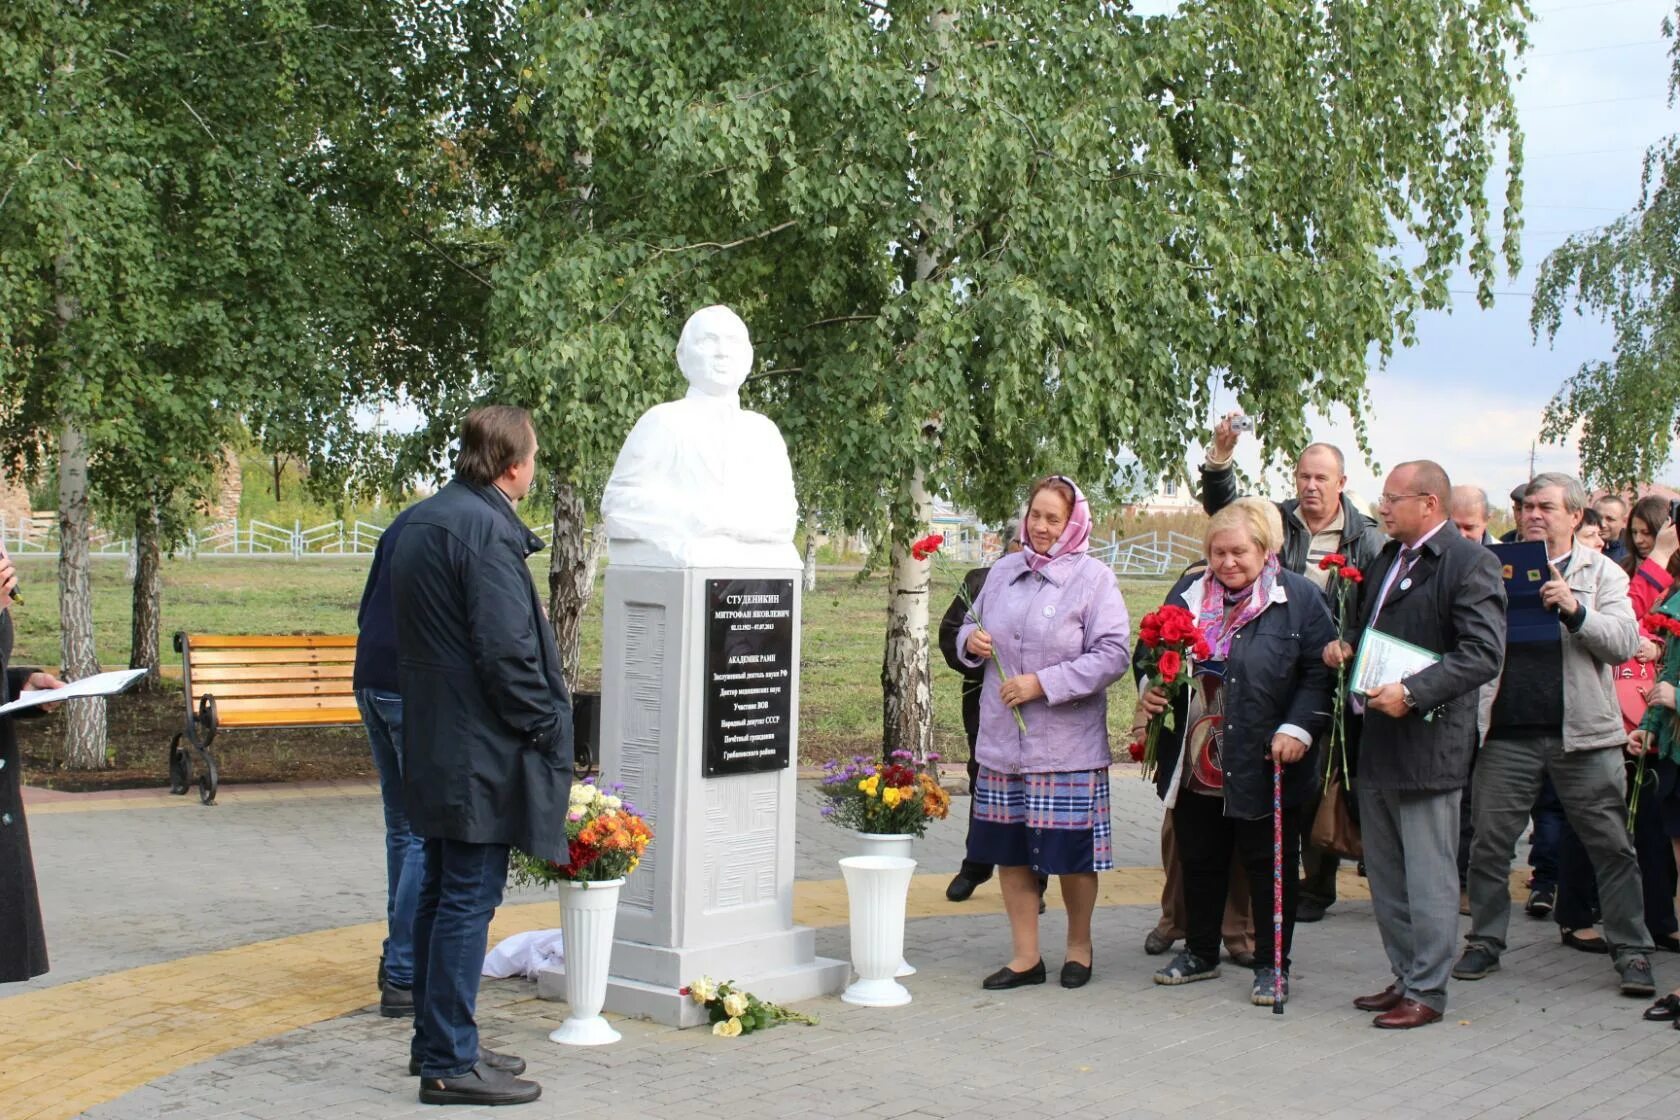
(1556,714)
(1430,587)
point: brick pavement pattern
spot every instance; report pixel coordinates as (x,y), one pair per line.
(1546,1037)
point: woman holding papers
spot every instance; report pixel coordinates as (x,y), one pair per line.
(1262,695)
(23,945)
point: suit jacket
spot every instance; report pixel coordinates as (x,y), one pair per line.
(973,678)
(1452,603)
(23,943)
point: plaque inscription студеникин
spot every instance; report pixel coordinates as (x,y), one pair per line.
(749,675)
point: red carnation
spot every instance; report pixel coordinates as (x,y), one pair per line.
(1169,665)
(1351,574)
(1334,560)
(927,546)
(1136,751)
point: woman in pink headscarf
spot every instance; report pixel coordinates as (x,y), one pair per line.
(1055,622)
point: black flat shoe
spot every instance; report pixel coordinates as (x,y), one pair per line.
(962,888)
(1573,939)
(1665,1010)
(1075,975)
(479,1085)
(1005,978)
(1669,944)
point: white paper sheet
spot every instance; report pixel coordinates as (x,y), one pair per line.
(1384,659)
(100,684)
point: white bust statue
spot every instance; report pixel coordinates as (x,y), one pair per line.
(702,482)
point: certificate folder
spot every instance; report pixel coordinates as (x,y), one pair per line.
(1524,567)
(1385,659)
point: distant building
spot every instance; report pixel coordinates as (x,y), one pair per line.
(1170,496)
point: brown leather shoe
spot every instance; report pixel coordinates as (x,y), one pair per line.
(1408,1013)
(1386,1000)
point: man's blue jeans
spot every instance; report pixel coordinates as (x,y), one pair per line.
(382,715)
(459,893)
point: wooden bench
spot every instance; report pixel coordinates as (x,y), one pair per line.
(257,680)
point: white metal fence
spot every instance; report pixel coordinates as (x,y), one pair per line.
(38,536)
(1149,554)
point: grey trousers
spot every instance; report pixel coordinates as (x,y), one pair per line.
(1411,863)
(1592,787)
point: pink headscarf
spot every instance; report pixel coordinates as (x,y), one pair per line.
(1076,534)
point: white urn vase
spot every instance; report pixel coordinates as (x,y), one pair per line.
(899,845)
(588,912)
(876,889)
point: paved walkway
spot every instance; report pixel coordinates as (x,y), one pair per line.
(216,962)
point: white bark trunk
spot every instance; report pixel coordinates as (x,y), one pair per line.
(573,562)
(84,720)
(810,551)
(906,687)
(144,650)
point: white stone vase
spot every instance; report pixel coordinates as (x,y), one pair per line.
(588,912)
(899,845)
(876,889)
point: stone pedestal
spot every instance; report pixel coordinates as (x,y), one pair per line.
(714,895)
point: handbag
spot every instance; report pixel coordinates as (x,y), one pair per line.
(1633,680)
(1333,827)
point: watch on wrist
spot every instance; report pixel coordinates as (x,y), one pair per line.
(1406,695)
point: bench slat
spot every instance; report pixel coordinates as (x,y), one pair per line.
(212,674)
(272,657)
(284,704)
(224,691)
(270,641)
(268,717)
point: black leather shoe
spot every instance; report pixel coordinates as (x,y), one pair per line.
(479,1085)
(1075,975)
(1006,978)
(503,1063)
(395,1002)
(962,887)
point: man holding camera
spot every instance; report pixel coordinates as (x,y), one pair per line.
(1319,521)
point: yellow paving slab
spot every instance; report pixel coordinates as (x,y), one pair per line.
(67,1048)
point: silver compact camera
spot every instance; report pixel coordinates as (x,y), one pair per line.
(1242,423)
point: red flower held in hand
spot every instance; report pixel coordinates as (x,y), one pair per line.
(927,546)
(1351,574)
(1170,664)
(1136,751)
(1200,649)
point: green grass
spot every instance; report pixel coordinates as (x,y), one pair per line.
(840,705)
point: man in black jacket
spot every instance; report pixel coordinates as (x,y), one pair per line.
(1319,521)
(488,744)
(1434,589)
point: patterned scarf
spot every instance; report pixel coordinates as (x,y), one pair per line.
(1218,626)
(1075,538)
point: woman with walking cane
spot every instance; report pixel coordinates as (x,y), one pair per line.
(1253,709)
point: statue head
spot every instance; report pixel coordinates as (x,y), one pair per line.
(714,353)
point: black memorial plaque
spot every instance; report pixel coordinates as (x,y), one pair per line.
(749,675)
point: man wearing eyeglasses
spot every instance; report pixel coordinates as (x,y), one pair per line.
(1436,590)
(1556,713)
(1319,521)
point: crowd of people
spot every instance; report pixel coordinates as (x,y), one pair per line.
(1560,723)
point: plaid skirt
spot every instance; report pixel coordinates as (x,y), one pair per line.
(1056,824)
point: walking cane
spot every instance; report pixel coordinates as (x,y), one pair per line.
(1277,887)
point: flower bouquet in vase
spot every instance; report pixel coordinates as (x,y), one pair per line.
(605,839)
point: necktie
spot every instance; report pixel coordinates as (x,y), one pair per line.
(1408,557)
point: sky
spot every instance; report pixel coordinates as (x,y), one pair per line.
(1470,394)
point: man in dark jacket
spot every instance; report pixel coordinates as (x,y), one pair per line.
(379,699)
(1319,521)
(488,743)
(1436,590)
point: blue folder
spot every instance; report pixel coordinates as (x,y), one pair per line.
(1525,566)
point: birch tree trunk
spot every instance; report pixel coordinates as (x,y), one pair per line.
(84,720)
(573,561)
(810,551)
(144,647)
(906,687)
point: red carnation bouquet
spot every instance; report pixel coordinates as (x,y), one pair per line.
(1669,627)
(1171,642)
(924,550)
(1343,589)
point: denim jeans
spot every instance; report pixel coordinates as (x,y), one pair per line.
(1549,823)
(382,715)
(459,893)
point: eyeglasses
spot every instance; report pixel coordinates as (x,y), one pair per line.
(1391,499)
